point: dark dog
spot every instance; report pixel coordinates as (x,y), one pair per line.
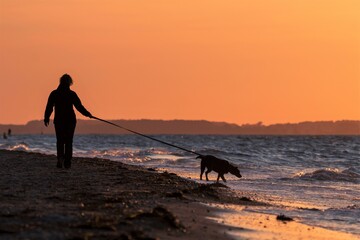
(218,165)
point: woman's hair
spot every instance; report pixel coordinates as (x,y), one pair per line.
(66,80)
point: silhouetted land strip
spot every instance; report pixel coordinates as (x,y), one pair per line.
(345,127)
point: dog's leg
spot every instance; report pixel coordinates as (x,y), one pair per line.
(206,174)
(217,180)
(222,177)
(202,170)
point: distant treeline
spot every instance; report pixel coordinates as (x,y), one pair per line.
(345,127)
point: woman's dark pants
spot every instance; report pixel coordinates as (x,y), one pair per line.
(64,140)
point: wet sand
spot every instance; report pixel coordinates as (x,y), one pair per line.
(265,226)
(102,199)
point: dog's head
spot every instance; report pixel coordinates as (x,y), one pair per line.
(235,171)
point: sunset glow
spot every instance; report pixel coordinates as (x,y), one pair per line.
(234,61)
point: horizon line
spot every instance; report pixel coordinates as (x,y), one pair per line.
(175,119)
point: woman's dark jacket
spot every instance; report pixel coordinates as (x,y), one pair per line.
(63,99)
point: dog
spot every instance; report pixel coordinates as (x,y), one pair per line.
(218,165)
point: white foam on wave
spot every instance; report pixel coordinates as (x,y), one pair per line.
(119,154)
(329,174)
(18,147)
(131,155)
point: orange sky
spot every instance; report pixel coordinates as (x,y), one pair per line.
(226,60)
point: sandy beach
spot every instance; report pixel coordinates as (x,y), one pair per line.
(103,199)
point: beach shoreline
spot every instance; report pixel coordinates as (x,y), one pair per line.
(104,199)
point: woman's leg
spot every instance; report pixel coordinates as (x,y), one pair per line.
(68,144)
(60,144)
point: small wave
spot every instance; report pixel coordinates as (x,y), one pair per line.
(353,206)
(18,147)
(329,174)
(120,154)
(135,155)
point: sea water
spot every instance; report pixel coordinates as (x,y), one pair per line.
(315,179)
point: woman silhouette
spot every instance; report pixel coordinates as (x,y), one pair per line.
(63,99)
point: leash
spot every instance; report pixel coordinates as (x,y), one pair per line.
(143,135)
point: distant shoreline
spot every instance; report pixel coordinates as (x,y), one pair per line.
(195,127)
